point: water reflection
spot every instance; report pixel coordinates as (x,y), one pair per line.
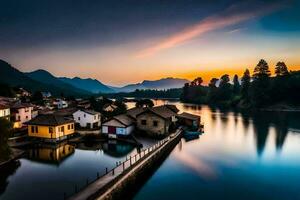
(6,173)
(241,155)
(117,149)
(52,154)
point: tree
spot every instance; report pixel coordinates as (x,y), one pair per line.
(212,94)
(144,103)
(261,84)
(213,82)
(225,91)
(224,80)
(198,81)
(37,98)
(281,69)
(261,70)
(245,84)
(236,84)
(5,132)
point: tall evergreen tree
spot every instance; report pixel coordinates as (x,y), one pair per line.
(261,84)
(281,69)
(245,84)
(236,84)
(261,70)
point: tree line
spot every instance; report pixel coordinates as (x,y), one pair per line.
(258,90)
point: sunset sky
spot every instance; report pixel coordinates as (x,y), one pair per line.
(121,42)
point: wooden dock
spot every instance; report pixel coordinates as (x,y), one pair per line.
(116,181)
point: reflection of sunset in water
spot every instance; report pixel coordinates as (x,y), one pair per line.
(238,154)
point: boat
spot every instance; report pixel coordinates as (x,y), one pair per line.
(190,135)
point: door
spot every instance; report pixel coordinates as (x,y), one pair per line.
(112,130)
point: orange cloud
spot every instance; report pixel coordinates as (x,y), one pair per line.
(206,25)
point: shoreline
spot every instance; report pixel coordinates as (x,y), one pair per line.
(16,154)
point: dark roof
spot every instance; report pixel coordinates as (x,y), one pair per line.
(19,105)
(162,111)
(189,116)
(124,119)
(50,120)
(133,112)
(3,106)
(173,108)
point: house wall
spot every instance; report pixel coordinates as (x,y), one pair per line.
(86,118)
(4,112)
(119,130)
(43,131)
(161,128)
(24,115)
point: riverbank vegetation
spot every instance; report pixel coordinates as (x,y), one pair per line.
(257,91)
(5,132)
(174,93)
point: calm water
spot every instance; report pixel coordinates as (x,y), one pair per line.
(242,157)
(49,172)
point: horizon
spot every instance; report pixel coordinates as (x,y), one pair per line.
(126,42)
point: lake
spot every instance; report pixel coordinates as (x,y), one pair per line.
(240,156)
(48,173)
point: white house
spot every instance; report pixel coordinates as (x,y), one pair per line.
(21,112)
(4,111)
(120,125)
(59,103)
(87,118)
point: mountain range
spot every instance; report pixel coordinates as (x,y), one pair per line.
(42,80)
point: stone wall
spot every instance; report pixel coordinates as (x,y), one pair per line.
(162,127)
(127,186)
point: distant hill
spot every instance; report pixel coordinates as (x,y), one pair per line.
(14,78)
(47,78)
(91,85)
(161,84)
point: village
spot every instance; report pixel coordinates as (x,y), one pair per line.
(52,121)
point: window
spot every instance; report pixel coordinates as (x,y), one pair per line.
(84,115)
(62,129)
(50,130)
(79,118)
(72,126)
(95,117)
(69,127)
(155,123)
(36,129)
(144,122)
(98,116)
(26,117)
(32,129)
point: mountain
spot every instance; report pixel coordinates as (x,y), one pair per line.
(15,78)
(161,84)
(91,85)
(45,77)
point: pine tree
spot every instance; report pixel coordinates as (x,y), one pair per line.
(236,84)
(261,70)
(281,69)
(245,84)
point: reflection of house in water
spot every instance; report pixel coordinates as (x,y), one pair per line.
(5,172)
(51,154)
(117,149)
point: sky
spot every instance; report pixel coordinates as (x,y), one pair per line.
(127,41)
